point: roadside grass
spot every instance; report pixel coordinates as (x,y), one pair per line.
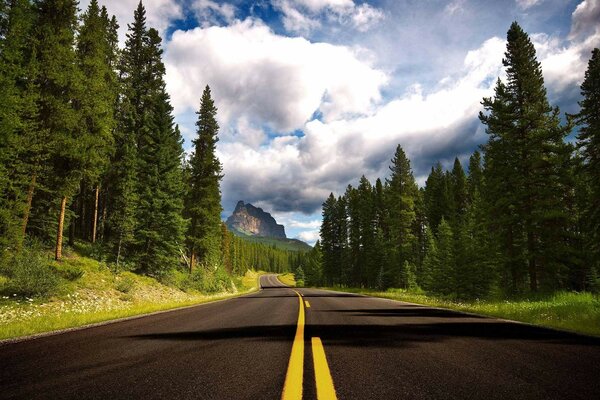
(571,311)
(90,292)
(287,279)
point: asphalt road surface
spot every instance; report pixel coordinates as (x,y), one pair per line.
(303,342)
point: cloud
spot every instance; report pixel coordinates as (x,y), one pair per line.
(209,12)
(309,237)
(293,173)
(303,16)
(526,4)
(585,20)
(262,78)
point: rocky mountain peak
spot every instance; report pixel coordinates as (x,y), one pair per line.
(254,221)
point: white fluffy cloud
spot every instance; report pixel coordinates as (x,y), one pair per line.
(302,16)
(209,12)
(526,4)
(260,77)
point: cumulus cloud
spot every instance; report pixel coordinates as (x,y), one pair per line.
(303,16)
(585,20)
(297,173)
(210,12)
(261,77)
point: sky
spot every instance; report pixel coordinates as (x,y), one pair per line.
(312,94)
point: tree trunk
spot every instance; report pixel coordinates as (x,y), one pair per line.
(59,233)
(27,209)
(119,250)
(192,260)
(95,221)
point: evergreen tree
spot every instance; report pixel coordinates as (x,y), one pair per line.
(442,270)
(527,158)
(436,197)
(59,84)
(21,146)
(588,119)
(401,195)
(95,52)
(204,198)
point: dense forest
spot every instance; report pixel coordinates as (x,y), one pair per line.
(526,217)
(89,150)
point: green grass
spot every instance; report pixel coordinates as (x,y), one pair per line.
(89,292)
(576,312)
(287,279)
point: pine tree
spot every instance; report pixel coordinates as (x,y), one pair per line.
(436,197)
(59,83)
(21,146)
(528,160)
(401,195)
(588,119)
(442,271)
(204,201)
(95,52)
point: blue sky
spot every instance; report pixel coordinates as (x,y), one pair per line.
(314,93)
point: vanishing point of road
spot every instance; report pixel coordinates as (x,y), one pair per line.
(288,343)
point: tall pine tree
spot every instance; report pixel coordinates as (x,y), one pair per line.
(203,205)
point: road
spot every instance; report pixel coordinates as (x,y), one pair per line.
(241,348)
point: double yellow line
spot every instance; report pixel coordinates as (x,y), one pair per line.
(292,389)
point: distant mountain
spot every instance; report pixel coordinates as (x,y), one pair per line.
(258,226)
(253,221)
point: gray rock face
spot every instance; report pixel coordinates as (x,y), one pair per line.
(249,220)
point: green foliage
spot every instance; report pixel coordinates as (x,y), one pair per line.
(30,274)
(209,281)
(69,272)
(125,283)
(203,203)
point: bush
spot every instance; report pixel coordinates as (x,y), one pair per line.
(30,274)
(125,284)
(206,281)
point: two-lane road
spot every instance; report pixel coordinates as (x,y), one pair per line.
(362,347)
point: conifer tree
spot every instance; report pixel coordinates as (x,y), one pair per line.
(95,53)
(59,83)
(21,146)
(401,194)
(588,119)
(204,198)
(528,159)
(436,197)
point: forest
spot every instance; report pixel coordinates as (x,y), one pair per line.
(89,151)
(524,219)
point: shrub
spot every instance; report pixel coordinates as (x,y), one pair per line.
(30,274)
(206,281)
(125,284)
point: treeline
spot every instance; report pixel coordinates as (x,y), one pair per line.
(89,149)
(239,255)
(525,218)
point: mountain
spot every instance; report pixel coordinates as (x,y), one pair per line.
(253,221)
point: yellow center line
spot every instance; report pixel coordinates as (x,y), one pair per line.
(325,388)
(307,303)
(292,389)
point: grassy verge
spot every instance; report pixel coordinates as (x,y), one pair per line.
(577,312)
(287,279)
(97,294)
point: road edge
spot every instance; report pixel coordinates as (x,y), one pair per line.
(19,339)
(472,314)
